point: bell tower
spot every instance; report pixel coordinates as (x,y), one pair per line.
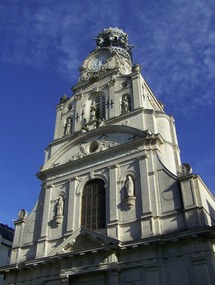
(112,91)
(95,90)
(116,204)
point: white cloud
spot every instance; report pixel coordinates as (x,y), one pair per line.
(175,40)
(178,56)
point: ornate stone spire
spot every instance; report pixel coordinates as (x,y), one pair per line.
(113,37)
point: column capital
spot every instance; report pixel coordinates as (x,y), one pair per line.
(75,178)
(78,96)
(49,186)
(113,166)
(111,82)
(142,157)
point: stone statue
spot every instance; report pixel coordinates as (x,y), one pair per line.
(64,99)
(129,186)
(99,41)
(82,150)
(125,104)
(136,68)
(84,126)
(92,113)
(68,126)
(100,122)
(60,204)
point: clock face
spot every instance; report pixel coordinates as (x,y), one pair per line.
(97,62)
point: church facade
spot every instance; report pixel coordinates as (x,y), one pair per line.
(116,205)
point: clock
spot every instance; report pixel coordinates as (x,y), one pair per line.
(97,62)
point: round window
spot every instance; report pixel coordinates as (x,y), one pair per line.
(93,146)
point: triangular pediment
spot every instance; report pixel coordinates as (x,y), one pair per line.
(84,240)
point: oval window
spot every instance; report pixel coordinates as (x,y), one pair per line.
(93,146)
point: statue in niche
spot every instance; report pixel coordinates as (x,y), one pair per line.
(125,104)
(59,206)
(84,126)
(92,113)
(68,126)
(129,186)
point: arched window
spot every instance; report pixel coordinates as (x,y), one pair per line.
(93,205)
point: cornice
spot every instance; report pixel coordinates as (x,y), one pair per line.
(162,240)
(95,77)
(124,151)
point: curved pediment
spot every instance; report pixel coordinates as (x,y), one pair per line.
(92,142)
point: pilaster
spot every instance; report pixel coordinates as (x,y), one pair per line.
(58,124)
(46,210)
(136,85)
(113,201)
(146,217)
(17,240)
(112,106)
(175,143)
(113,277)
(77,117)
(71,205)
(42,242)
(192,212)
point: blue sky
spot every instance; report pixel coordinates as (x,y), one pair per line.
(44,42)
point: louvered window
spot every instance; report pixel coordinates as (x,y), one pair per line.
(100,107)
(93,205)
